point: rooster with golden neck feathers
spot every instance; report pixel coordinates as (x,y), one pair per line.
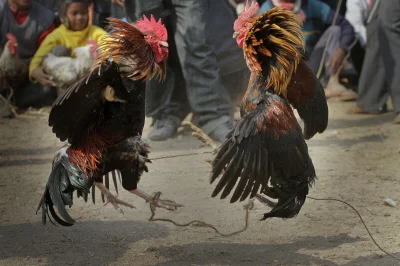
(266,153)
(102,118)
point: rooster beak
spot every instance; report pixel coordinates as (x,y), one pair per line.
(165,44)
(235,34)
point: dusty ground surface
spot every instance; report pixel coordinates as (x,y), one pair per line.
(357,160)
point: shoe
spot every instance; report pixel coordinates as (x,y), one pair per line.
(164,128)
(220,132)
(396,121)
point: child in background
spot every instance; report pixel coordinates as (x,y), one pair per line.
(74,32)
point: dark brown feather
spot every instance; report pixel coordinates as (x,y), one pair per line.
(307,95)
(273,157)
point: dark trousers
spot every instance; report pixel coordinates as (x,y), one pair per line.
(380,76)
(195,68)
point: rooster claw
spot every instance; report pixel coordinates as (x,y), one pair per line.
(156,202)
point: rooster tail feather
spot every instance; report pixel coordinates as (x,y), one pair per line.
(64,179)
(52,196)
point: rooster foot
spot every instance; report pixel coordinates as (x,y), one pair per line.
(251,206)
(112,199)
(156,202)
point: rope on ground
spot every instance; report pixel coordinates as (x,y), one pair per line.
(180,155)
(247,208)
(362,221)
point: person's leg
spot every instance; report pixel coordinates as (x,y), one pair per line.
(372,89)
(165,101)
(331,47)
(389,39)
(208,98)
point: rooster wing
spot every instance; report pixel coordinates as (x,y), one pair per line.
(266,150)
(306,94)
(79,109)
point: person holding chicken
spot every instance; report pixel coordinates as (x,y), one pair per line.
(74,32)
(23,26)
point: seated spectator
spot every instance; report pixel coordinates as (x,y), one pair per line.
(317,18)
(29,23)
(74,31)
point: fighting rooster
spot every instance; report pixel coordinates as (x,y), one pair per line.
(266,151)
(65,70)
(102,117)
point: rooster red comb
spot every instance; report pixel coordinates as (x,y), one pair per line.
(11,37)
(248,12)
(157,27)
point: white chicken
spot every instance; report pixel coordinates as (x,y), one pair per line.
(64,70)
(11,66)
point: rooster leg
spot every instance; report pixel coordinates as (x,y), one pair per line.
(260,198)
(111,198)
(155,200)
(265,201)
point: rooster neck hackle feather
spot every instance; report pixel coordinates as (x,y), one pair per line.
(274,46)
(127,44)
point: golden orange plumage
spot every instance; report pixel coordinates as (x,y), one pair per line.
(119,44)
(274,43)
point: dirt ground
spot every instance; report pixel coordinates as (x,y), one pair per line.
(356,160)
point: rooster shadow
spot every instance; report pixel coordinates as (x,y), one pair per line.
(236,254)
(86,243)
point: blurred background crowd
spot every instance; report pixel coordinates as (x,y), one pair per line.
(353,47)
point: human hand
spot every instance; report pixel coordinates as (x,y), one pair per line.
(118,2)
(43,78)
(336,60)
